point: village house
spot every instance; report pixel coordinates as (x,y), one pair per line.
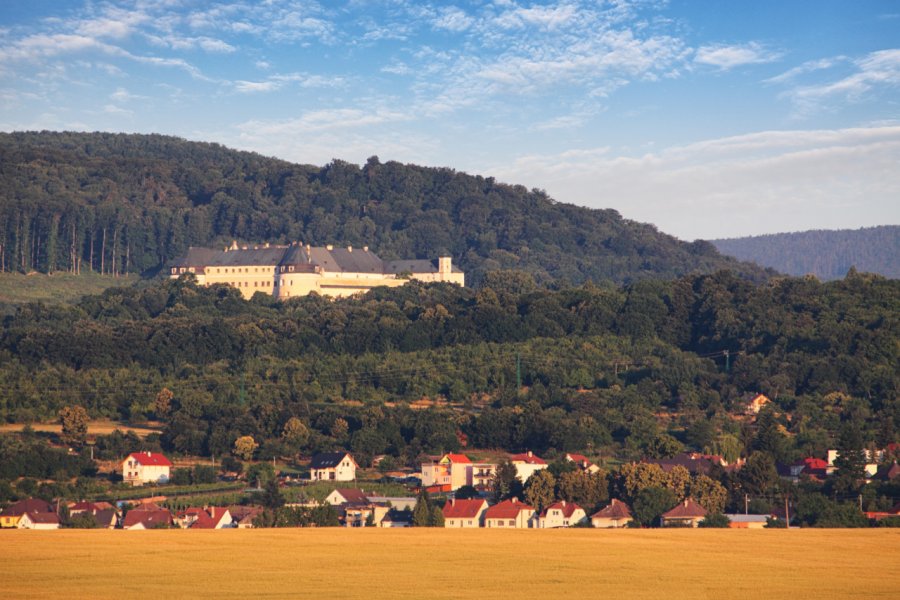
(562,514)
(145,467)
(212,517)
(811,467)
(242,516)
(332,466)
(298,270)
(396,518)
(686,513)
(147,517)
(527,464)
(39,520)
(346,496)
(31,513)
(583,463)
(755,404)
(104,513)
(452,471)
(614,516)
(740,521)
(509,514)
(464,513)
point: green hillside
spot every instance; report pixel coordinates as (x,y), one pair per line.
(129,203)
(826,254)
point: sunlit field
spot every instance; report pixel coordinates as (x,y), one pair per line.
(370,564)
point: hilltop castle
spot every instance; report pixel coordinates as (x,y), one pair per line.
(297,270)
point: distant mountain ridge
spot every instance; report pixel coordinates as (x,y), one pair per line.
(827,254)
(116,203)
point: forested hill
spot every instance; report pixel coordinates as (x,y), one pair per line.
(826,254)
(129,203)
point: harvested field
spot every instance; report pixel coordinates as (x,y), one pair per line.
(94,428)
(370,564)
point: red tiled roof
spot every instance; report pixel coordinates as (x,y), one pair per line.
(353,495)
(29,505)
(568,508)
(579,458)
(462,509)
(149,518)
(508,509)
(456,458)
(616,510)
(43,517)
(150,459)
(528,458)
(686,509)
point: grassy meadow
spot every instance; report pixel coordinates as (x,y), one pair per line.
(372,563)
(17,288)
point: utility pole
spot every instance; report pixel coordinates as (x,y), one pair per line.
(787,515)
(860,503)
(746,504)
(727,360)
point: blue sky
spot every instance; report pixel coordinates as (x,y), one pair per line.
(707,118)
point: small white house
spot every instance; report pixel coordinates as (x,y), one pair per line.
(332,466)
(527,464)
(562,514)
(146,467)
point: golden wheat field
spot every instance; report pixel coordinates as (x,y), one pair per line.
(376,563)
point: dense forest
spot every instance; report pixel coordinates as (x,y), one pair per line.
(635,371)
(117,203)
(826,254)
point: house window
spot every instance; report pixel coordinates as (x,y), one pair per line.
(512,523)
(499,523)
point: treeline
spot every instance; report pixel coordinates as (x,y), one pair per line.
(636,371)
(828,255)
(117,203)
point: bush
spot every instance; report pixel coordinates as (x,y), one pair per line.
(889,522)
(715,520)
(775,523)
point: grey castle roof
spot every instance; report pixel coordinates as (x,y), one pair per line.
(305,258)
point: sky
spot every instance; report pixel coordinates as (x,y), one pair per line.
(707,118)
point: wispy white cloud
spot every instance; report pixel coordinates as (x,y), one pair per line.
(876,71)
(810,66)
(727,57)
(277,82)
(454,19)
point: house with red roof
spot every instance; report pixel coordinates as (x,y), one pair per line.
(583,463)
(210,517)
(464,513)
(687,513)
(617,514)
(31,513)
(39,520)
(527,464)
(346,496)
(562,514)
(452,471)
(145,467)
(510,514)
(147,518)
